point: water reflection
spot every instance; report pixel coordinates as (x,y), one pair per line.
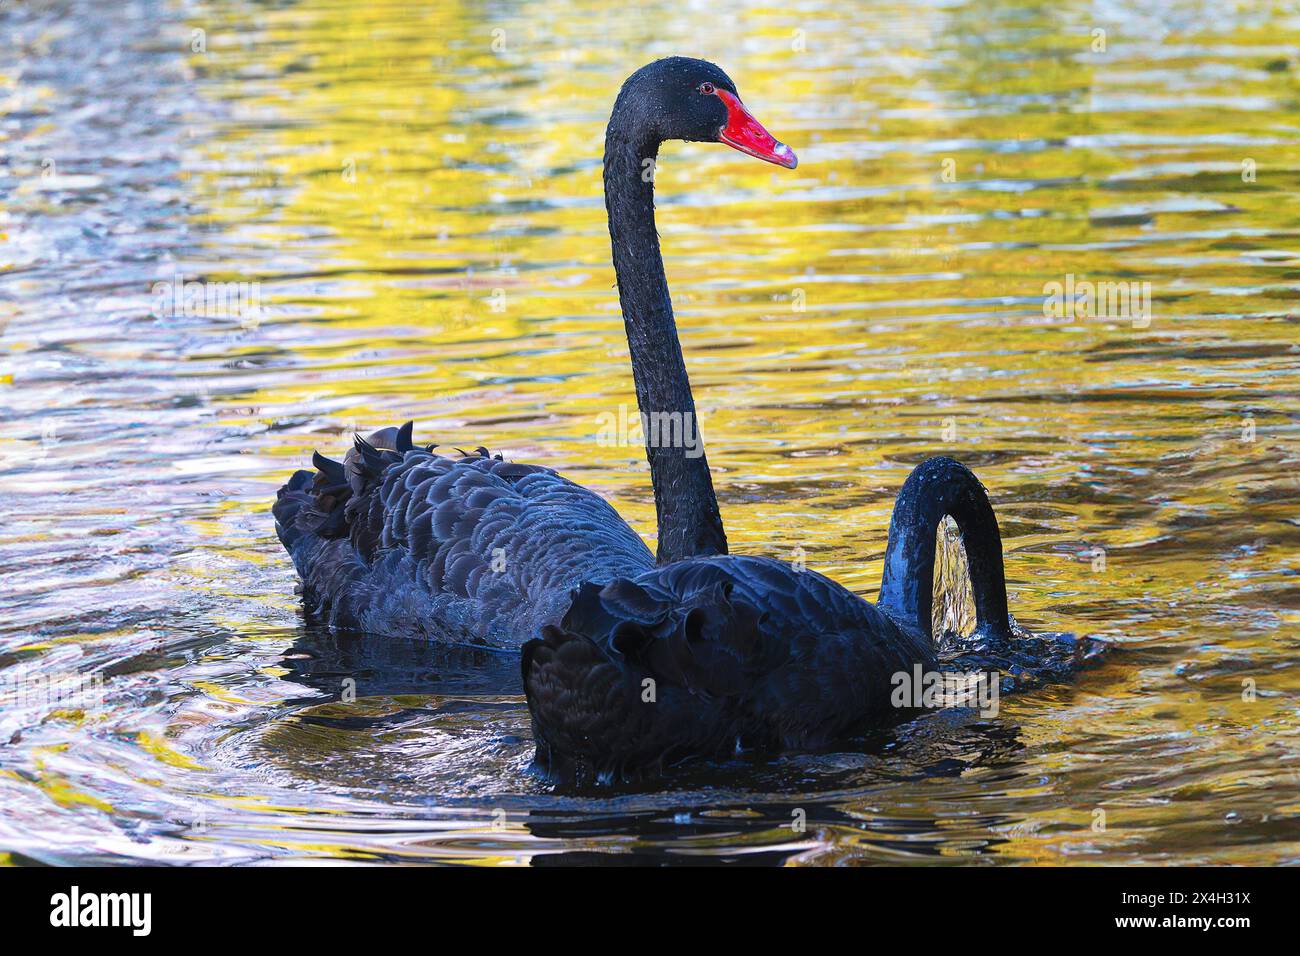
(415,189)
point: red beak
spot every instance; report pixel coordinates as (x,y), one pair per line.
(746,134)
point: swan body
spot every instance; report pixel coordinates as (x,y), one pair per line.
(706,655)
(466,549)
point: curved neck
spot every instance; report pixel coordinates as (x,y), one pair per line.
(938,487)
(687,510)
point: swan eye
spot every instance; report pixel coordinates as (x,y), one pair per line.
(707,88)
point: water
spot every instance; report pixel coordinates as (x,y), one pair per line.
(415,193)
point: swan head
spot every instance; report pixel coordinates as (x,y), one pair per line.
(694,100)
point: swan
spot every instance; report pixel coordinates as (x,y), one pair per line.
(713,654)
(470,548)
(632,660)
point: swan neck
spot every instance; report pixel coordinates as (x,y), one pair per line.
(939,487)
(685,504)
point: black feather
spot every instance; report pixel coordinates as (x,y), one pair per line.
(331,469)
(403,442)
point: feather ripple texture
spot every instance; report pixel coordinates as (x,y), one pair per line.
(705,656)
(470,549)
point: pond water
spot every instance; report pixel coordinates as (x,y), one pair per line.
(412,193)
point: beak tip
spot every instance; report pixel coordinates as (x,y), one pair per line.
(786,157)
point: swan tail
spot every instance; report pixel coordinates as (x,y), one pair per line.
(332,502)
(936,488)
(313,503)
(634,677)
(290,500)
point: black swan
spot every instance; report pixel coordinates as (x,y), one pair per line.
(471,548)
(398,540)
(709,655)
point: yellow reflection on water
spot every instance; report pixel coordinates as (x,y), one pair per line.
(417,189)
(438,224)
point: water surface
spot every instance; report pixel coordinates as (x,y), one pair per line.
(414,190)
